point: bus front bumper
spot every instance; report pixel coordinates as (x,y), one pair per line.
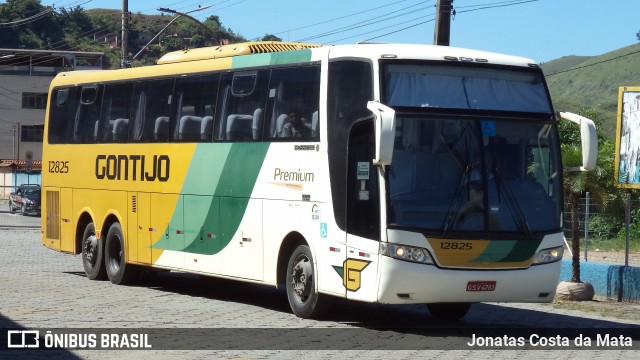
(403,282)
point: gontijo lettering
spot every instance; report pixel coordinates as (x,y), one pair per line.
(133,167)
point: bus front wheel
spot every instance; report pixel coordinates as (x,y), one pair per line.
(92,254)
(449,311)
(301,284)
(118,271)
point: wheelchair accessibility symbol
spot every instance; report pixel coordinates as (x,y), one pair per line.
(323,230)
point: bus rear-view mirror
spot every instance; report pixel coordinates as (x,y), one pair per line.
(385,127)
(588,140)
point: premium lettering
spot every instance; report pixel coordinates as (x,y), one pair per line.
(133,167)
(281,175)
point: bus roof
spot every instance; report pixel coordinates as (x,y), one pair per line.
(267,52)
(426,52)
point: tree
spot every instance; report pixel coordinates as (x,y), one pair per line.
(598,182)
(270,37)
(27,24)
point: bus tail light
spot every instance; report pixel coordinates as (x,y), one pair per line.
(549,255)
(407,253)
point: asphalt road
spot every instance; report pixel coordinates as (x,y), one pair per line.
(185,316)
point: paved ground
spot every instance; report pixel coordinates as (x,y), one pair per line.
(43,289)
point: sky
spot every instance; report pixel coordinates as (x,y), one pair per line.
(542,30)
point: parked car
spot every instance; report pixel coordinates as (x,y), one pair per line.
(26,199)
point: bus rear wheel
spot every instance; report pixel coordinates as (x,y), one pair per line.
(303,297)
(449,311)
(92,254)
(118,271)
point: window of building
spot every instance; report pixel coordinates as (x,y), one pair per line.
(34,100)
(31,133)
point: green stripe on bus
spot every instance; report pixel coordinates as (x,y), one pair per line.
(508,251)
(523,250)
(286,57)
(216,194)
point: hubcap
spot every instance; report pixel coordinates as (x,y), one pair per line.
(90,248)
(302,278)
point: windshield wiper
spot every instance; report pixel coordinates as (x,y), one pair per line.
(456,203)
(516,211)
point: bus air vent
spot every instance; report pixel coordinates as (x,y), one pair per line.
(224,51)
(134,203)
(53,215)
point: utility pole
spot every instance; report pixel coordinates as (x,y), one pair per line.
(124,62)
(442,31)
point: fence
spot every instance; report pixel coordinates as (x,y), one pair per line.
(603,236)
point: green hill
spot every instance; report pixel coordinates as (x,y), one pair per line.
(578,82)
(564,63)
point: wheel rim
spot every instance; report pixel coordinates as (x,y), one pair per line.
(115,254)
(302,278)
(90,249)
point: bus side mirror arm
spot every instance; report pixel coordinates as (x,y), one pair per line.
(588,140)
(385,132)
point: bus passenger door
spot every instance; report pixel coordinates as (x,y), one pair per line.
(363,215)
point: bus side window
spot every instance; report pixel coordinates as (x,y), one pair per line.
(59,125)
(242,100)
(151,101)
(295,89)
(87,113)
(114,120)
(195,107)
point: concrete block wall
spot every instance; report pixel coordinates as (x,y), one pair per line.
(612,281)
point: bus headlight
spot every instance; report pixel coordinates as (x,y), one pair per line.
(550,255)
(407,253)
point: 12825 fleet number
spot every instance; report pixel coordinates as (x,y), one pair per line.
(59,167)
(456,245)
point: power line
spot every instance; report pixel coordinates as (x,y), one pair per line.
(593,64)
(346,16)
(493,5)
(470,8)
(27,20)
(403,29)
(368,22)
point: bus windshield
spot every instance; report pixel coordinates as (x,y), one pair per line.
(474,175)
(465,87)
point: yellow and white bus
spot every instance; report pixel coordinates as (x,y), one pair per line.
(384,173)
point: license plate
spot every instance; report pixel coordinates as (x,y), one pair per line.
(481,286)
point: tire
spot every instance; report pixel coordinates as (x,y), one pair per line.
(92,254)
(449,311)
(11,209)
(303,296)
(118,271)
